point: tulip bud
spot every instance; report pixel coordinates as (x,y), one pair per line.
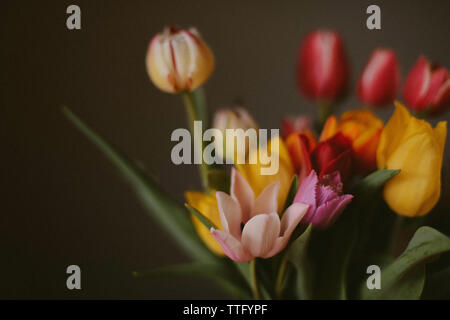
(427,88)
(179,60)
(378,83)
(297,124)
(238,118)
(322,69)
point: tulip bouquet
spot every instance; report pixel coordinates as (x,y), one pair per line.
(342,217)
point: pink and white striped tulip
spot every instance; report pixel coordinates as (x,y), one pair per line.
(179,60)
(263,234)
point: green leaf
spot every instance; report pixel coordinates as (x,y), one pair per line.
(404,277)
(376,180)
(160,205)
(224,273)
(204,220)
(291,193)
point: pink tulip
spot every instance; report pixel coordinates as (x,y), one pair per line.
(263,234)
(296,124)
(379,81)
(324,197)
(322,68)
(427,88)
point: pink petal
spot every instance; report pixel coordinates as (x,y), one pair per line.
(242,193)
(231,246)
(325,194)
(267,201)
(332,180)
(307,193)
(230,214)
(291,218)
(327,213)
(260,233)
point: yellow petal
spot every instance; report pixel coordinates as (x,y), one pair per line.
(393,133)
(207,205)
(414,147)
(252,172)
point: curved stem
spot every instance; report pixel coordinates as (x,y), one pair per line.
(395,236)
(193,115)
(279,286)
(255,284)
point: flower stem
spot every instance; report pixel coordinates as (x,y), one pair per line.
(255,284)
(324,113)
(279,286)
(395,235)
(193,115)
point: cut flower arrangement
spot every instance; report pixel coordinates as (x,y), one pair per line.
(343,215)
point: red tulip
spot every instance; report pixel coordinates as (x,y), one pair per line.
(334,154)
(378,83)
(322,68)
(427,88)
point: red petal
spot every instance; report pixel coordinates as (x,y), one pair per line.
(417,84)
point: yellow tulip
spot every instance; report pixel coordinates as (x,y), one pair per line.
(417,149)
(252,172)
(207,205)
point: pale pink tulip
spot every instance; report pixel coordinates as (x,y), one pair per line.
(263,234)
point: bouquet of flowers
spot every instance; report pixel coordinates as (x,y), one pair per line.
(328,209)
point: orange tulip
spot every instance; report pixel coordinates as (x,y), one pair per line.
(364,129)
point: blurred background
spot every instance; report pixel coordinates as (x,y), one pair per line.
(63,203)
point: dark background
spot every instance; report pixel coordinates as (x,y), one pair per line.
(63,203)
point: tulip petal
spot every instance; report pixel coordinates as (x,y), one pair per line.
(231,246)
(207,205)
(267,200)
(252,172)
(417,84)
(416,189)
(325,193)
(230,214)
(393,134)
(291,218)
(438,78)
(306,192)
(242,193)
(333,180)
(327,213)
(379,81)
(260,232)
(442,99)
(329,129)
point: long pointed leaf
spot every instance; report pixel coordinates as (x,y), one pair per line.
(168,212)
(204,220)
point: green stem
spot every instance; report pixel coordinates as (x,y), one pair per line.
(324,113)
(193,115)
(395,235)
(255,284)
(279,286)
